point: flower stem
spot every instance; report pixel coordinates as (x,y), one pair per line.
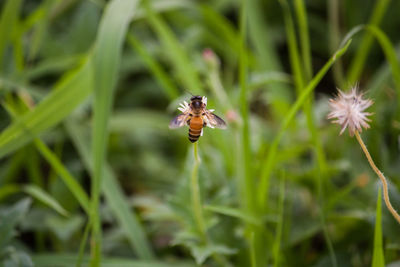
(195,194)
(381,176)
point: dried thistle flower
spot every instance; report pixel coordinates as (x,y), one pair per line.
(348,110)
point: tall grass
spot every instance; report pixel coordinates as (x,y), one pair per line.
(106,60)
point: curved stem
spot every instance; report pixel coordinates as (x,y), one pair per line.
(195,194)
(381,176)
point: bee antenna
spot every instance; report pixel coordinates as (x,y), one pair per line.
(187,91)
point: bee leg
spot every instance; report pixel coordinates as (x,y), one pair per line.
(188,120)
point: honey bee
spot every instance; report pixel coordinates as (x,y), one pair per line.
(196,116)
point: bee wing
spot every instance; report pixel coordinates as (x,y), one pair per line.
(179,121)
(213,121)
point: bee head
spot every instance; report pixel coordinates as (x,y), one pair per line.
(196,101)
(196,97)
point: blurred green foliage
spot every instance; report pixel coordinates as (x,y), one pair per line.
(90,172)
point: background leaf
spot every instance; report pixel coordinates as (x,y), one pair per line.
(42,196)
(378,258)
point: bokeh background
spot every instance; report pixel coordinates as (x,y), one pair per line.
(91,174)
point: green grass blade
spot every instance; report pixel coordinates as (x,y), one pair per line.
(298,75)
(55,259)
(51,66)
(258,79)
(179,59)
(45,198)
(387,48)
(246,177)
(236,213)
(253,258)
(127,219)
(65,175)
(40,29)
(197,207)
(221,27)
(162,77)
(105,64)
(278,235)
(304,77)
(8,20)
(32,164)
(163,7)
(260,34)
(18,52)
(389,51)
(9,189)
(378,258)
(82,245)
(270,158)
(244,110)
(357,64)
(304,38)
(71,90)
(334,39)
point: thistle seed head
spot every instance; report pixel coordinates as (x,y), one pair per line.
(348,110)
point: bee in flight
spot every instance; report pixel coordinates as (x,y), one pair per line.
(196,116)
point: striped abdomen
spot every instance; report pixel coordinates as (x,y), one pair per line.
(195,126)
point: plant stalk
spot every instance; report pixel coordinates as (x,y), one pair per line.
(381,176)
(195,194)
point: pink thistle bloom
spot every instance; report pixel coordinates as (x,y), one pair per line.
(348,111)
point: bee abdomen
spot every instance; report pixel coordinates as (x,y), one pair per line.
(195,126)
(194,135)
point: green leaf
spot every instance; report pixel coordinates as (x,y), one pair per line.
(75,188)
(70,260)
(236,213)
(222,28)
(177,55)
(127,219)
(35,192)
(52,66)
(270,158)
(304,38)
(390,53)
(105,64)
(387,48)
(14,257)
(201,253)
(378,258)
(70,91)
(357,64)
(9,189)
(136,119)
(261,78)
(44,197)
(8,20)
(9,219)
(65,227)
(159,73)
(279,228)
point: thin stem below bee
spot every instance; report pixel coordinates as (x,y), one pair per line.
(381,176)
(195,194)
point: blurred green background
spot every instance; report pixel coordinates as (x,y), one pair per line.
(90,174)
